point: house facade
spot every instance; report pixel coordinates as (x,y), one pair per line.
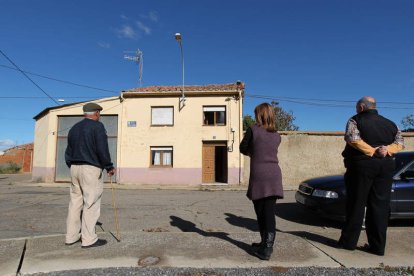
(154,136)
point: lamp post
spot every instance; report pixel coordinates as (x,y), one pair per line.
(179,39)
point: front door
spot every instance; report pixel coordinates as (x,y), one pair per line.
(208,163)
(214,167)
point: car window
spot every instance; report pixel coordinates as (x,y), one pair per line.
(401,161)
(408,173)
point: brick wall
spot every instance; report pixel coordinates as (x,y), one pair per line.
(21,155)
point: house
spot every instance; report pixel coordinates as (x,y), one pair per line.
(154,136)
(20,155)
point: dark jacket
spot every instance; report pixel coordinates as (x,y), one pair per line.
(374,129)
(265,174)
(88,144)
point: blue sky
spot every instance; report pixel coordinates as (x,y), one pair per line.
(315,57)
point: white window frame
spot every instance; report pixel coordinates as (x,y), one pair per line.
(162,153)
(215,109)
(160,121)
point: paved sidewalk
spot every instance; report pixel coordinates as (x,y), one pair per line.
(175,228)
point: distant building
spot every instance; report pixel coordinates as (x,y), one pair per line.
(21,155)
(153,139)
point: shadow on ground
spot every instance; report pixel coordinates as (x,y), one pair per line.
(296,213)
(188,226)
(251,224)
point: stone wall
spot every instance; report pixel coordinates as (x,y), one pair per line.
(304,155)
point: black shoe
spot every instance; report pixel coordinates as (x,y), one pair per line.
(340,245)
(257,244)
(367,248)
(264,253)
(266,248)
(72,243)
(99,242)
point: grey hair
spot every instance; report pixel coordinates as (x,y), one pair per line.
(90,112)
(368,102)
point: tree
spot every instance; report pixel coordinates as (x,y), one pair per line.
(284,120)
(248,121)
(408,123)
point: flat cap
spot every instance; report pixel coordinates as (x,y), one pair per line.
(91,107)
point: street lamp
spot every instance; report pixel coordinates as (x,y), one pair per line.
(179,39)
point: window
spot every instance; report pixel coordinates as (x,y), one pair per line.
(214,115)
(162,116)
(161,156)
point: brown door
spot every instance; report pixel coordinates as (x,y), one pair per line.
(208,163)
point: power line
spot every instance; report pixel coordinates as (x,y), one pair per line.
(63,81)
(34,97)
(28,77)
(296,100)
(335,103)
(321,100)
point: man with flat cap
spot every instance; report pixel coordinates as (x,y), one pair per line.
(87,155)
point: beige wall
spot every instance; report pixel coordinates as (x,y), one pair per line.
(303,156)
(185,136)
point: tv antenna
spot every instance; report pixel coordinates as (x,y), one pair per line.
(138,59)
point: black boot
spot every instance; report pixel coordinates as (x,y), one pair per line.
(266,249)
(262,236)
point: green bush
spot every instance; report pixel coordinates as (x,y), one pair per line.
(9,168)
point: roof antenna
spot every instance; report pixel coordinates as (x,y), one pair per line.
(138,59)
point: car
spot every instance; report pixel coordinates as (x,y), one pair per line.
(327,195)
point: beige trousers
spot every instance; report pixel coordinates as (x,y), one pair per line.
(85,200)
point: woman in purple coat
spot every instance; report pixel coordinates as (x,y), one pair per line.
(261,143)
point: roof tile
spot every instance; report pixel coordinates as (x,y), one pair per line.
(195,88)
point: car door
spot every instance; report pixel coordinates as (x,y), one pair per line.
(404,190)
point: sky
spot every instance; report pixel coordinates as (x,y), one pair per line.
(316,58)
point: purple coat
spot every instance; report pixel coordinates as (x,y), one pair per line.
(265,174)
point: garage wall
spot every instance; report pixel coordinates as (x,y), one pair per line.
(305,155)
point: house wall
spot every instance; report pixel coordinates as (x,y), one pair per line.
(307,155)
(186,137)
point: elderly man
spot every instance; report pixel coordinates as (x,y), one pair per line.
(371,141)
(87,155)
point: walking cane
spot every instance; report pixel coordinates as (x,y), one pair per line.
(118,235)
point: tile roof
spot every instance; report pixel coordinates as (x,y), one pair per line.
(194,88)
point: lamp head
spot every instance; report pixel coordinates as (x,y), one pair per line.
(178,37)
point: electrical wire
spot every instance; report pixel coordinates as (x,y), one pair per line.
(35,84)
(63,81)
(325,103)
(295,100)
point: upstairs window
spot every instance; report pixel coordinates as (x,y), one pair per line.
(161,156)
(214,115)
(162,116)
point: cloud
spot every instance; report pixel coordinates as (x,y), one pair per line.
(6,144)
(152,15)
(124,17)
(104,45)
(143,28)
(127,31)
